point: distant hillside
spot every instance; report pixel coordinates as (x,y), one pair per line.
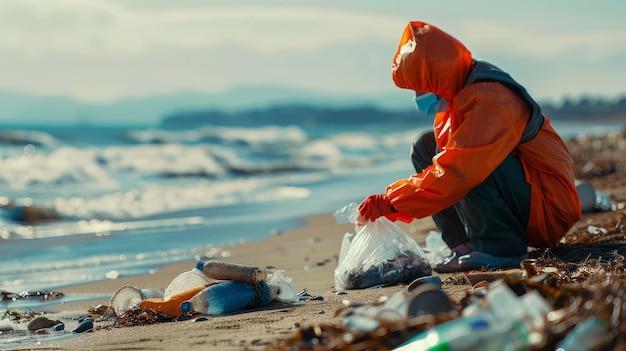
(290,114)
(586,110)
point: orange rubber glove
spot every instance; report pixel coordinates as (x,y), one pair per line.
(379,205)
(375,206)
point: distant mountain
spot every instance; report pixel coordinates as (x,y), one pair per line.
(23,109)
(586,110)
(291,114)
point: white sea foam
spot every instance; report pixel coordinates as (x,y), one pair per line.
(166,159)
(187,169)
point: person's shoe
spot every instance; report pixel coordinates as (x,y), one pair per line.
(479,260)
(450,264)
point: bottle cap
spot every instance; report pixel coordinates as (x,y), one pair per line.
(200,265)
(185,307)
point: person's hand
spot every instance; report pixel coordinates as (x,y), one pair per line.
(375,206)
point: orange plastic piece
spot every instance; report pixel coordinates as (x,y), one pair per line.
(170,305)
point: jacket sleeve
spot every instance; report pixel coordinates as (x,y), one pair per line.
(482,128)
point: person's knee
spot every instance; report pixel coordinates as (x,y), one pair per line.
(423,149)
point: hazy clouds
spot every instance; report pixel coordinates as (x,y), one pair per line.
(103,50)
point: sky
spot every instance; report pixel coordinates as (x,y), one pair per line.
(105,50)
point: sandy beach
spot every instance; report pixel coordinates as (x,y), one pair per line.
(309,255)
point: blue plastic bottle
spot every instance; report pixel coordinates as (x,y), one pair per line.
(228,297)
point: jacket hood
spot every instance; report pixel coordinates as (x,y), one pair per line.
(430,60)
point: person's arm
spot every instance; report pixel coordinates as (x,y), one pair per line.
(488,122)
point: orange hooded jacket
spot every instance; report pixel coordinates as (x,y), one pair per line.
(481,127)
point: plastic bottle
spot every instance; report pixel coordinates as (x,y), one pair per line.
(586,335)
(232,271)
(170,305)
(229,296)
(187,280)
(181,288)
(505,326)
(128,297)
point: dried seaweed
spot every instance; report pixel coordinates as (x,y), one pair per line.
(599,228)
(141,316)
(575,292)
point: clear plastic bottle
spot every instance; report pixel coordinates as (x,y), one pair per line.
(180,289)
(229,296)
(506,325)
(586,335)
(170,305)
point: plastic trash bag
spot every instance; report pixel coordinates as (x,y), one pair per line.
(378,253)
(436,249)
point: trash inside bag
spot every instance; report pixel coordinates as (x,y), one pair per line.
(378,253)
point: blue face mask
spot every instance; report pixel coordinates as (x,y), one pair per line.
(428,104)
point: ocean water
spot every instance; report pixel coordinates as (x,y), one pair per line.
(132,200)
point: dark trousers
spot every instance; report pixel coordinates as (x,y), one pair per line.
(493,215)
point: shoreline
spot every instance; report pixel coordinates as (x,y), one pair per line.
(244,253)
(314,237)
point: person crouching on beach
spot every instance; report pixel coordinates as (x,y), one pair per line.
(493,174)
